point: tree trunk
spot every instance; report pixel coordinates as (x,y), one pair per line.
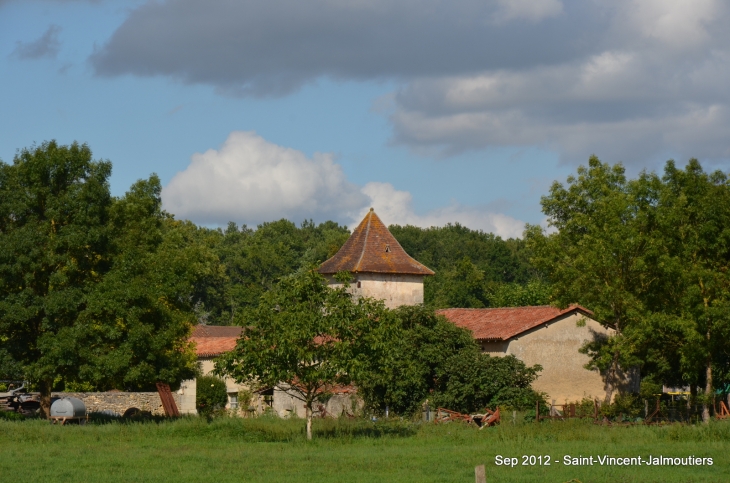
(45,387)
(692,396)
(611,378)
(708,392)
(309,420)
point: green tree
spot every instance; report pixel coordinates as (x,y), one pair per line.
(650,256)
(54,205)
(255,260)
(469,381)
(419,356)
(694,214)
(301,338)
(534,292)
(462,285)
(601,255)
(137,319)
(93,290)
(469,264)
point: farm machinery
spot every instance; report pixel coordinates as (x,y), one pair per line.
(16,398)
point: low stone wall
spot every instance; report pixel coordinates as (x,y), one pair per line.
(118,402)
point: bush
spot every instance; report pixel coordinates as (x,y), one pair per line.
(628,407)
(471,381)
(210,395)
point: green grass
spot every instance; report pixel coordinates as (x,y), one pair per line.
(272,450)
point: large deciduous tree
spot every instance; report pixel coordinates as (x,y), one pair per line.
(54,210)
(597,255)
(694,212)
(302,338)
(651,257)
(93,289)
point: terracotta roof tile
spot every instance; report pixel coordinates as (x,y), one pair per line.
(216,331)
(214,340)
(501,324)
(373,249)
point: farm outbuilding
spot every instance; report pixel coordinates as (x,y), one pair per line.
(547,336)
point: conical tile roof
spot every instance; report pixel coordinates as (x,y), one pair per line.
(373,249)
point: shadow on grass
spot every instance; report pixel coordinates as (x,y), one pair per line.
(363,428)
(261,429)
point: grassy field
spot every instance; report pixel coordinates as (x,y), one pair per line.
(271,450)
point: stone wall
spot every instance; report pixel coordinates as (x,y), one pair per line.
(118,402)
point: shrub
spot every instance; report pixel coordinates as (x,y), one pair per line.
(211,395)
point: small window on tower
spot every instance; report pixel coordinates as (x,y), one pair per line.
(387,248)
(358,284)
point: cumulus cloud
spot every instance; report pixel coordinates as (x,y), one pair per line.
(47,46)
(250,180)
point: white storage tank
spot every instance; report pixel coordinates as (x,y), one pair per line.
(68,407)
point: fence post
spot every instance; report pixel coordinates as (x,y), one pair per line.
(537,411)
(480,475)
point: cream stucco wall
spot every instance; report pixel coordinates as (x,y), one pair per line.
(555,347)
(394,290)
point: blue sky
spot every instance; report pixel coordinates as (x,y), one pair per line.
(432,112)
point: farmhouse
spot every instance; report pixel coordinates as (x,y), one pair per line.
(542,335)
(381,269)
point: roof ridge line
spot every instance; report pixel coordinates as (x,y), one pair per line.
(503,308)
(365,244)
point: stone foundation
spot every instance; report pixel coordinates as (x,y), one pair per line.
(119,402)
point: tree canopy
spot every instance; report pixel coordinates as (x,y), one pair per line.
(419,356)
(650,257)
(93,289)
(302,338)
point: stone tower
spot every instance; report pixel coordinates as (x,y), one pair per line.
(380,267)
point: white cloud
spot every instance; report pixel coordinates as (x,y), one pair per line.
(250,180)
(680,24)
(394,207)
(623,105)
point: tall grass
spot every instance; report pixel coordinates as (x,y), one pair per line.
(273,450)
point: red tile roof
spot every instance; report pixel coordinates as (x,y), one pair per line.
(500,324)
(214,340)
(373,249)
